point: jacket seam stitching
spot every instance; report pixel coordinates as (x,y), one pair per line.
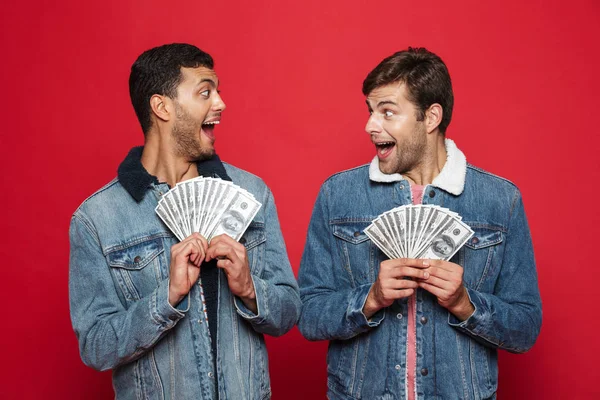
(346,170)
(471,166)
(89,228)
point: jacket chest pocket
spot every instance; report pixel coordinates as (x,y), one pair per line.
(480,257)
(137,268)
(254,239)
(356,251)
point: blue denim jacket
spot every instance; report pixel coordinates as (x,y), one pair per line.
(118,285)
(455,360)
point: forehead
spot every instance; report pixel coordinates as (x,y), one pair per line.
(195,76)
(393,92)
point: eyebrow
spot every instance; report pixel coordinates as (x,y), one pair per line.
(210,81)
(381,103)
(385,102)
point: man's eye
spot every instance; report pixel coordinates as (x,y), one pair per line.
(205,93)
(388,113)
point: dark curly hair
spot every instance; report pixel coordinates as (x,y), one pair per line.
(158,71)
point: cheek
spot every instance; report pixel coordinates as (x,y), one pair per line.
(394,128)
(199,110)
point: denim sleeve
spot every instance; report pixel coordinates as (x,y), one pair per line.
(277,297)
(511,317)
(110,335)
(332,307)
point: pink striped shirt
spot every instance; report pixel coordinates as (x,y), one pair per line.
(411,331)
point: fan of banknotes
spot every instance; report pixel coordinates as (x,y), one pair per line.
(419,231)
(210,206)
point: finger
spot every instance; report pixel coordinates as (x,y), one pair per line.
(204,243)
(183,253)
(225,264)
(412,262)
(197,253)
(214,244)
(226,239)
(403,262)
(437,282)
(210,252)
(444,265)
(177,247)
(441,274)
(221,250)
(239,249)
(194,236)
(401,293)
(434,290)
(406,271)
(401,284)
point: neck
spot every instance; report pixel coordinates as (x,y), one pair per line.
(431,164)
(159,159)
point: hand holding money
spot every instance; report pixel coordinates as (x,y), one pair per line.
(186,258)
(233,259)
(391,284)
(419,239)
(446,283)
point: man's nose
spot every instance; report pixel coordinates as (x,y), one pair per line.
(373,124)
(218,103)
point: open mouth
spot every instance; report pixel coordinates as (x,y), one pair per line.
(384,149)
(208,128)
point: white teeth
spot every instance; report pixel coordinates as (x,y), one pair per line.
(212,123)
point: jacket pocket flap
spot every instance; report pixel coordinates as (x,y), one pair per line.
(483,237)
(135,256)
(353,232)
(254,235)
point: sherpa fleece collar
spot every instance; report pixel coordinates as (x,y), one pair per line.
(450,179)
(136,180)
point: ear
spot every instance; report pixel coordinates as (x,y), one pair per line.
(161,107)
(433,117)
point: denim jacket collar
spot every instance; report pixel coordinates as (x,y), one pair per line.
(451,178)
(136,180)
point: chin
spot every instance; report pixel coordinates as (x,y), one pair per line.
(386,168)
(204,154)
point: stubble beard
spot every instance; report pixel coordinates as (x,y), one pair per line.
(411,155)
(185,135)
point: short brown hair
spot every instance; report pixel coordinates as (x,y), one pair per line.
(426,78)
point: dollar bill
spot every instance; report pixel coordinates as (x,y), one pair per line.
(419,231)
(447,242)
(165,216)
(237,217)
(210,206)
(377,237)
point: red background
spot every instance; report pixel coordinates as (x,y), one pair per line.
(525,77)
